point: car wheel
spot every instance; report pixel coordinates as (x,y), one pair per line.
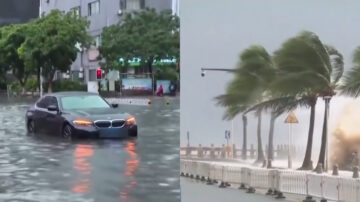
(31,126)
(67,132)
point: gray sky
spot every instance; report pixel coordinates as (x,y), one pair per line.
(213,33)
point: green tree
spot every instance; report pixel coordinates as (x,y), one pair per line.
(308,69)
(351,81)
(147,35)
(253,74)
(53,40)
(12,38)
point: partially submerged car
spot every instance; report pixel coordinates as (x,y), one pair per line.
(79,114)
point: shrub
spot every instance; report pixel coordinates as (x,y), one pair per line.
(167,73)
(68,85)
(31,85)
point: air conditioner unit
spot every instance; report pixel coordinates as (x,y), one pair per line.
(120,12)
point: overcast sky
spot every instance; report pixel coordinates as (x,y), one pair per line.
(213,33)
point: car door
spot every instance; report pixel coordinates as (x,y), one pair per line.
(40,114)
(53,118)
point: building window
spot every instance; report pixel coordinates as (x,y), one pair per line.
(133,4)
(123,4)
(97,41)
(76,11)
(142,4)
(93,8)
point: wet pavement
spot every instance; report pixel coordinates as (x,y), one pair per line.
(45,168)
(194,191)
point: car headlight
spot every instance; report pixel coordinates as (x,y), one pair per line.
(82,122)
(130,121)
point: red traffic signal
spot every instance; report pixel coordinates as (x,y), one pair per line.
(99,74)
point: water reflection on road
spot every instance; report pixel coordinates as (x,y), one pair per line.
(46,168)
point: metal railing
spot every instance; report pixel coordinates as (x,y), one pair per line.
(276,181)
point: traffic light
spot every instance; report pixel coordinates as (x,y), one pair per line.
(99,74)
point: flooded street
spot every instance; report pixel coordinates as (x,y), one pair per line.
(45,168)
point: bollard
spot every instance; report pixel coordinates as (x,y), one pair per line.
(309,199)
(269,164)
(280,195)
(182,174)
(197,177)
(187,175)
(323,200)
(275,192)
(319,168)
(242,186)
(227,184)
(269,192)
(222,185)
(209,181)
(202,179)
(191,176)
(335,170)
(250,190)
(355,172)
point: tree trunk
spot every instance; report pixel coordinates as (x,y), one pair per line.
(307,163)
(244,145)
(324,136)
(38,78)
(51,77)
(150,66)
(260,152)
(271,137)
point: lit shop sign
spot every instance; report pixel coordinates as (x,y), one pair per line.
(136,62)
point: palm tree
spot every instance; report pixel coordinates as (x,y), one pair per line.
(351,81)
(308,69)
(253,74)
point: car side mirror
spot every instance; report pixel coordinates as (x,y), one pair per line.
(114,105)
(52,108)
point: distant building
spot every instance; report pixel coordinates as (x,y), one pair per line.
(100,13)
(18,11)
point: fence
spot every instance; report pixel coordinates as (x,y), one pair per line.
(277,181)
(212,152)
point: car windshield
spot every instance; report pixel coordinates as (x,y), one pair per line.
(83,102)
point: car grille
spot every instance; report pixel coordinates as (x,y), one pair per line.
(118,123)
(103,124)
(109,123)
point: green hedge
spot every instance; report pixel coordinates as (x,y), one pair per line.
(68,85)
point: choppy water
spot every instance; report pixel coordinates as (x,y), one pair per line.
(45,168)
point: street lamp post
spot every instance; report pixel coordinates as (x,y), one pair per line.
(327,101)
(203,73)
(290,119)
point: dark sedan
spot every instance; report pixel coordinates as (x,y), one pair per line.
(79,114)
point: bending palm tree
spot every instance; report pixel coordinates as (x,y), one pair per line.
(306,69)
(351,82)
(252,76)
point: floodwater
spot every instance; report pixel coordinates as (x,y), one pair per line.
(44,168)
